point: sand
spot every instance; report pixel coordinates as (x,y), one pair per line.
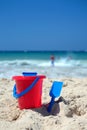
(71,117)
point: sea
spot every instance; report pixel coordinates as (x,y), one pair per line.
(66,63)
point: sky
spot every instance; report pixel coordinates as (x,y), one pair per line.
(43,25)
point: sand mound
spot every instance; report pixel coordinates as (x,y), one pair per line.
(71,117)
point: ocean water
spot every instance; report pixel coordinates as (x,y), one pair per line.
(66,64)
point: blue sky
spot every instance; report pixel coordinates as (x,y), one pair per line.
(43,24)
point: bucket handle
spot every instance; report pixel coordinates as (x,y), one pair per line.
(16,95)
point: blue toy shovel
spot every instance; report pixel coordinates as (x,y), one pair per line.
(54,93)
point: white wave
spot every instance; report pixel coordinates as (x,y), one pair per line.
(62,66)
(43,63)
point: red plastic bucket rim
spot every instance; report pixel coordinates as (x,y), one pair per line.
(27,77)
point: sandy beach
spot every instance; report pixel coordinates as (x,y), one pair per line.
(71,117)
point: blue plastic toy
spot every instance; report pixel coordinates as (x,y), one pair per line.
(29,73)
(54,93)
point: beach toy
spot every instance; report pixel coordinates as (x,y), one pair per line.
(28,91)
(54,93)
(29,73)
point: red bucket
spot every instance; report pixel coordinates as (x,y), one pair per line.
(32,85)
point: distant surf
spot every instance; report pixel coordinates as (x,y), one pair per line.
(70,64)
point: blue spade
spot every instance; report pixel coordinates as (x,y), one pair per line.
(54,93)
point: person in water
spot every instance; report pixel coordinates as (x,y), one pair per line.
(52,59)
